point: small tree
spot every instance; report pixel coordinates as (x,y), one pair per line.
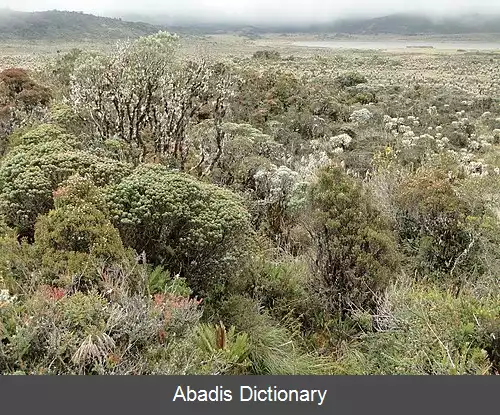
(23,89)
(355,249)
(22,102)
(350,79)
(143,94)
(439,227)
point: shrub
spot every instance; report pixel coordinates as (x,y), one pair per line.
(23,89)
(263,95)
(64,65)
(30,173)
(77,190)
(22,102)
(41,134)
(82,228)
(355,248)
(194,229)
(267,54)
(64,117)
(350,79)
(246,149)
(17,263)
(437,225)
(15,79)
(425,330)
(75,242)
(169,96)
(285,287)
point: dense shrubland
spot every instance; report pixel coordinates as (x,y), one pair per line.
(264,215)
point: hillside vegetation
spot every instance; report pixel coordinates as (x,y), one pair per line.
(68,26)
(337,214)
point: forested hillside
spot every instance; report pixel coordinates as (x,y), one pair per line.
(67,26)
(165,214)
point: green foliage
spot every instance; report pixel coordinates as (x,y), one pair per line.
(78,190)
(264,95)
(160,282)
(227,350)
(81,228)
(30,173)
(426,330)
(41,134)
(64,117)
(64,66)
(356,252)
(158,279)
(273,348)
(54,332)
(350,79)
(438,226)
(109,268)
(194,229)
(286,288)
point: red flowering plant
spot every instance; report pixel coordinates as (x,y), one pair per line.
(170,303)
(60,192)
(179,312)
(54,293)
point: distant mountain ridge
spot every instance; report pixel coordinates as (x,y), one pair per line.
(78,26)
(398,24)
(71,26)
(410,24)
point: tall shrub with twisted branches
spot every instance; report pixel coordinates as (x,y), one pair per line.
(144,94)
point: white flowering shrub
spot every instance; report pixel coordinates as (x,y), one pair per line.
(5,298)
(145,95)
(361,116)
(277,184)
(342,141)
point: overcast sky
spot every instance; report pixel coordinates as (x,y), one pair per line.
(263,10)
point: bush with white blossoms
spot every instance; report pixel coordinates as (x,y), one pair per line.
(361,116)
(144,91)
(342,140)
(433,112)
(6,298)
(277,183)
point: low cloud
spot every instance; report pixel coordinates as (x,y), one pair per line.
(263,11)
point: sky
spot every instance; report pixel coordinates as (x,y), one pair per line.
(258,10)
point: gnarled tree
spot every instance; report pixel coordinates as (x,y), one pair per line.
(144,94)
